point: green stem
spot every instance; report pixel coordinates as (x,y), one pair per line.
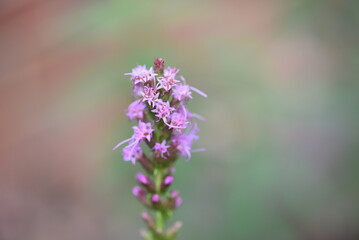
(159,219)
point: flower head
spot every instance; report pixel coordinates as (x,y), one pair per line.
(184,141)
(162,109)
(182,92)
(142,131)
(136,110)
(170,72)
(140,74)
(149,95)
(168,80)
(131,153)
(161,149)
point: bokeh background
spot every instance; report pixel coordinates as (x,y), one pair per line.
(282,116)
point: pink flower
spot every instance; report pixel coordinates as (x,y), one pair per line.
(161,149)
(131,153)
(142,131)
(166,83)
(135,110)
(184,142)
(149,95)
(178,121)
(170,72)
(137,90)
(182,92)
(168,80)
(140,74)
(162,109)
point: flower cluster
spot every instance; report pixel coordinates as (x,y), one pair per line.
(167,129)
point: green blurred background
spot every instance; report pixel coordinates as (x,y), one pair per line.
(281,134)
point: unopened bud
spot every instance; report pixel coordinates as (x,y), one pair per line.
(156,200)
(159,65)
(174,194)
(146,164)
(148,219)
(172,170)
(167,181)
(145,182)
(178,202)
(172,231)
(140,194)
(174,201)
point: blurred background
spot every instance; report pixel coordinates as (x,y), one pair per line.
(281,134)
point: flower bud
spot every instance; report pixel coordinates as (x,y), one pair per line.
(140,194)
(172,170)
(178,202)
(159,65)
(174,201)
(156,200)
(167,181)
(146,163)
(145,182)
(172,231)
(148,219)
(174,194)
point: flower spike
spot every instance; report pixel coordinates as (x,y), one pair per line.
(169,130)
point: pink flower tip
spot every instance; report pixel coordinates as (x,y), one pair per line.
(174,194)
(137,191)
(168,180)
(141,178)
(155,198)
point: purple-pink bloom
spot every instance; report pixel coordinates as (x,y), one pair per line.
(166,83)
(161,149)
(140,74)
(149,95)
(136,110)
(137,90)
(182,92)
(162,109)
(178,121)
(131,153)
(142,131)
(168,80)
(183,143)
(170,72)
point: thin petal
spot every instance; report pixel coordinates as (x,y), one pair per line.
(124,141)
(199,92)
(198,117)
(199,150)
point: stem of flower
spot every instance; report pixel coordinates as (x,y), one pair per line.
(158,174)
